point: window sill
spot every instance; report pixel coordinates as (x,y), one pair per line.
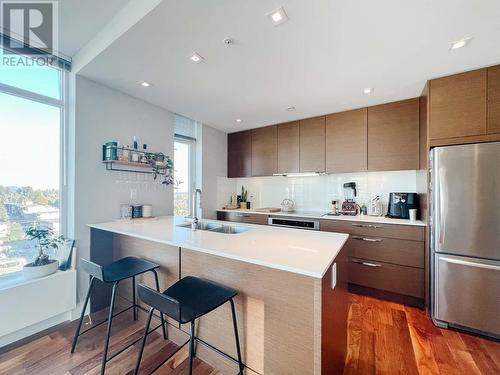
(17,279)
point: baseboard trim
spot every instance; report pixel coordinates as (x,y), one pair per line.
(388,296)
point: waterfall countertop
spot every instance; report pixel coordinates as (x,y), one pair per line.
(304,252)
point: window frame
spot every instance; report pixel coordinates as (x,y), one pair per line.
(191,142)
(63,158)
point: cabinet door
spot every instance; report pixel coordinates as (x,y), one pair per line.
(312,144)
(288,147)
(393,136)
(458,105)
(494,99)
(264,151)
(239,154)
(346,141)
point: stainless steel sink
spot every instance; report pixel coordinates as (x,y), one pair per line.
(229,229)
(201,225)
(218,228)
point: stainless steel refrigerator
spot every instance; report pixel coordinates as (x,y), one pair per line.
(465,237)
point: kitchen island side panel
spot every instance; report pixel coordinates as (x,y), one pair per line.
(334,315)
(279,317)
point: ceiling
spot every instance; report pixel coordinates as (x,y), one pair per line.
(319,61)
(80,19)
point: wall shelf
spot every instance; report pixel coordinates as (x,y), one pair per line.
(129,166)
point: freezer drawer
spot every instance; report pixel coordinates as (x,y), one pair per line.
(467,293)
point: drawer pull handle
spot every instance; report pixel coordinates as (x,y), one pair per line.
(369,264)
(367,239)
(243,215)
(366,226)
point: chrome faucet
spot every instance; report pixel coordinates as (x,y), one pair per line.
(196,204)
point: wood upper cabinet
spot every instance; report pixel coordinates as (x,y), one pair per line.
(424,150)
(457,105)
(493,100)
(346,141)
(239,154)
(288,147)
(393,136)
(264,151)
(312,144)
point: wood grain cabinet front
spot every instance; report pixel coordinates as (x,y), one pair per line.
(312,144)
(264,151)
(346,141)
(388,277)
(288,147)
(239,154)
(385,260)
(242,217)
(393,136)
(494,100)
(457,105)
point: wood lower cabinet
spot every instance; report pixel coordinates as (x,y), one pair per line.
(385,260)
(239,154)
(393,136)
(264,151)
(242,217)
(288,147)
(493,100)
(360,228)
(457,105)
(388,277)
(346,141)
(312,144)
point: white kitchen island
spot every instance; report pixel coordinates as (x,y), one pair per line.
(292,301)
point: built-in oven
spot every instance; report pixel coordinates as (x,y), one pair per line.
(294,222)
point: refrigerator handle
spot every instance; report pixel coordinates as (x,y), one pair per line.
(437,227)
(469,263)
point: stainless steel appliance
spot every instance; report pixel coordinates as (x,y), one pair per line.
(349,206)
(400,205)
(465,237)
(294,222)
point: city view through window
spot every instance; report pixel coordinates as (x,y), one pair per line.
(29,163)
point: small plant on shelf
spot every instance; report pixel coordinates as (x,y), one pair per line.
(161,164)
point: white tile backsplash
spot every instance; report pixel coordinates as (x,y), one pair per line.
(315,193)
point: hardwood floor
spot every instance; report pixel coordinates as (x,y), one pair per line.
(389,338)
(50,354)
(384,338)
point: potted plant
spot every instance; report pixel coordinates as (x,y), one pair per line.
(43,265)
(243,198)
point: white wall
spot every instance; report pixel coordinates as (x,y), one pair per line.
(214,165)
(316,193)
(101,115)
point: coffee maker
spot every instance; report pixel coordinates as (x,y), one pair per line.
(349,206)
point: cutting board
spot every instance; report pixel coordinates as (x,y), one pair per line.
(268,209)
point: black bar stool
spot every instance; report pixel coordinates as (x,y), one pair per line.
(122,269)
(185,301)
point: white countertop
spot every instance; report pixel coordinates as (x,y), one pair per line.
(323,215)
(304,252)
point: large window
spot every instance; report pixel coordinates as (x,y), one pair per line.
(184,165)
(31,117)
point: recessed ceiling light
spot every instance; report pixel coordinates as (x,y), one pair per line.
(460,43)
(291,108)
(278,16)
(144,84)
(196,57)
(239,120)
(368,90)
